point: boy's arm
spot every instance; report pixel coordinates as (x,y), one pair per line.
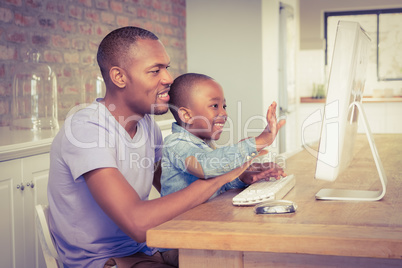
(259,171)
(194,167)
(219,161)
(268,135)
(197,159)
(207,164)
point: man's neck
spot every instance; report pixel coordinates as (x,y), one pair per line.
(125,117)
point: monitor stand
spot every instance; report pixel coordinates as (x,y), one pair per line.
(359,195)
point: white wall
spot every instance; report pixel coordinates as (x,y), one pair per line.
(236,42)
(224,42)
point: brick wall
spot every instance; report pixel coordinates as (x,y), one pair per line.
(67,32)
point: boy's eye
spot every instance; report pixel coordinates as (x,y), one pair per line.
(224,106)
(215,105)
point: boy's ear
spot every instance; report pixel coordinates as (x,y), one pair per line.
(117,76)
(185,115)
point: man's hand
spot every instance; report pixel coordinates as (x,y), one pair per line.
(258,171)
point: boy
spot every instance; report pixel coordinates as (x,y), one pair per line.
(198,106)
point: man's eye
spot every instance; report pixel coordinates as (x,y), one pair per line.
(155,71)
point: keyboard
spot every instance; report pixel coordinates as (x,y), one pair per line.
(264,190)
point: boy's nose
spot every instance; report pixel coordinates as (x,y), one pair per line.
(223,113)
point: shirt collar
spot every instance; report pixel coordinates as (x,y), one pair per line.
(185,134)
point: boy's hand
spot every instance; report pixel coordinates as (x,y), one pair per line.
(268,136)
(259,171)
(238,172)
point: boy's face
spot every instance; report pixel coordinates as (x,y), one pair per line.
(208,110)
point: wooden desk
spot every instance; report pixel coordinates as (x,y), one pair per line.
(319,234)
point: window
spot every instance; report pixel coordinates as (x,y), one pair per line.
(385,30)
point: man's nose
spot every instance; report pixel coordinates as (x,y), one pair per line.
(167,78)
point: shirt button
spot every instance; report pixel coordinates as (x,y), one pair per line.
(248,157)
(253,154)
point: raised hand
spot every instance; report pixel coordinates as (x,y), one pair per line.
(268,136)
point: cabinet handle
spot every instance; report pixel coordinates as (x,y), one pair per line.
(21,187)
(30,184)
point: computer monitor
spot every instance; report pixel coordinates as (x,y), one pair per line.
(341,113)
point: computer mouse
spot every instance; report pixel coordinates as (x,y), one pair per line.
(275,207)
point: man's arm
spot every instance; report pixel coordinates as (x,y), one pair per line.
(135,216)
(157,176)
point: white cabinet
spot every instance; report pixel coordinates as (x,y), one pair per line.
(383,117)
(23,184)
(11,211)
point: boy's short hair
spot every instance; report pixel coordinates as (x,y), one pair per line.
(181,89)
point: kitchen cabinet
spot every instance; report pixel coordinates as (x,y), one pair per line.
(382,115)
(23,184)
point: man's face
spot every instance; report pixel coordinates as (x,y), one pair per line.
(148,80)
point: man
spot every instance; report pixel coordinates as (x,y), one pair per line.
(102,162)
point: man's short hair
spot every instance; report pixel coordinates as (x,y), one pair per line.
(114,48)
(181,90)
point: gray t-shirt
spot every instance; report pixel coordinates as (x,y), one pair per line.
(92,139)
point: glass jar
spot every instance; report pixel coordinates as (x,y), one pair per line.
(34,104)
(94,86)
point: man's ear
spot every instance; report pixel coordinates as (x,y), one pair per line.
(117,76)
(185,115)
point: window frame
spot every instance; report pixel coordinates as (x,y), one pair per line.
(376,12)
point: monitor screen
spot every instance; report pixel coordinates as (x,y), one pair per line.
(343,106)
(345,85)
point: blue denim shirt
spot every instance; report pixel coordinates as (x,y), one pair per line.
(181,144)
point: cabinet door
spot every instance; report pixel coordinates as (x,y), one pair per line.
(35,172)
(11,211)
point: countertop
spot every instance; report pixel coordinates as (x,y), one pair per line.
(366,99)
(22,143)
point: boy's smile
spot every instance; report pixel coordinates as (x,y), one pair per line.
(208,110)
